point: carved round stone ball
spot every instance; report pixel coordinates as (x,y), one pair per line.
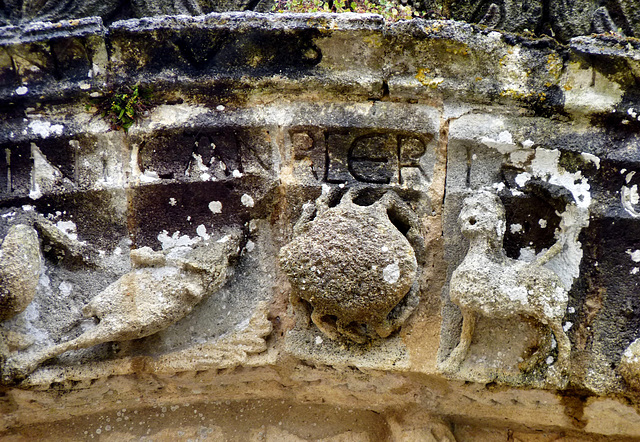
(350,263)
(19,270)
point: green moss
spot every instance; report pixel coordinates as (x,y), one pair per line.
(122,108)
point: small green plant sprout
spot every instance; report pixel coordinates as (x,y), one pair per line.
(386,8)
(124,107)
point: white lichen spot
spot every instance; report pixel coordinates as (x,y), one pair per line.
(384,249)
(22,90)
(498,186)
(545,166)
(175,240)
(391,273)
(318,340)
(522,178)
(503,143)
(251,247)
(85,86)
(635,255)
(215,207)
(629,198)
(68,228)
(542,223)
(517,294)
(246,200)
(220,108)
(325,189)
(224,239)
(45,129)
(591,158)
(571,310)
(172,201)
(634,271)
(65,288)
(527,254)
(632,113)
(201,231)
(549,360)
(567,326)
(515,228)
(236,173)
(149,176)
(527,144)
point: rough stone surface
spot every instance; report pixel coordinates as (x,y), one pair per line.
(19,270)
(250,119)
(356,264)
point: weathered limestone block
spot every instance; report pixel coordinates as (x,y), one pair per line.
(357,264)
(51,59)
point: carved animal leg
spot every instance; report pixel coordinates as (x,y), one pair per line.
(458,355)
(564,345)
(346,328)
(20,366)
(325,327)
(400,313)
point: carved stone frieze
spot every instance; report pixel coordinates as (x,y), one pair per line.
(320,227)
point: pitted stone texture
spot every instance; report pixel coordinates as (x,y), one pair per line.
(489,283)
(351,262)
(19,270)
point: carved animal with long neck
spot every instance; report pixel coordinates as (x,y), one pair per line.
(489,283)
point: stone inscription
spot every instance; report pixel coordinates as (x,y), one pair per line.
(366,156)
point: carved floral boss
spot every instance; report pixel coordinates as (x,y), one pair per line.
(358,267)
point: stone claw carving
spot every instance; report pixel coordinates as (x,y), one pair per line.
(162,288)
(489,283)
(357,266)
